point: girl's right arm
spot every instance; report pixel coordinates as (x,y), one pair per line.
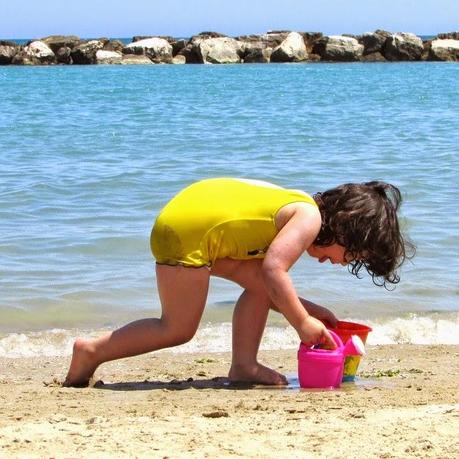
(297,233)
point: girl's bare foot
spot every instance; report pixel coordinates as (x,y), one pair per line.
(82,366)
(256,373)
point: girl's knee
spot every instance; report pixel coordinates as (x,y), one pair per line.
(181,338)
(176,334)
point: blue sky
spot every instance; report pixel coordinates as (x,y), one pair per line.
(181,18)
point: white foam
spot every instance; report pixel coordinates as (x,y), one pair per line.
(49,343)
(416,330)
(216,337)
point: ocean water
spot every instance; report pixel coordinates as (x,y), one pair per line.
(90,154)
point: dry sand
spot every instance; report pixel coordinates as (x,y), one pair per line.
(406,404)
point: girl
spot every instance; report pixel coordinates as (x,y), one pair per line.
(252,232)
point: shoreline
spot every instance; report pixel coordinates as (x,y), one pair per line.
(214,334)
(180,405)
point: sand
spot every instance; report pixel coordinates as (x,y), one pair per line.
(405,404)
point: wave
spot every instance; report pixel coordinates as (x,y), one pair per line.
(434,329)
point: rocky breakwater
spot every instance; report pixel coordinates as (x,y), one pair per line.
(216,48)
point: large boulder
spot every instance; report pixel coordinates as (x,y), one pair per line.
(114,45)
(374,42)
(258,48)
(63,55)
(257,54)
(108,57)
(191,50)
(8,50)
(178,45)
(157,49)
(85,53)
(179,59)
(373,57)
(292,49)
(339,48)
(35,53)
(55,42)
(189,54)
(444,50)
(310,39)
(134,59)
(219,50)
(274,38)
(403,47)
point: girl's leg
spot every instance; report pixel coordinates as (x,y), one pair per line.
(183,293)
(249,320)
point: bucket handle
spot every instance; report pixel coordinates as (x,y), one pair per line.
(337,339)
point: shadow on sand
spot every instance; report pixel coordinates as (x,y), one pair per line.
(176,384)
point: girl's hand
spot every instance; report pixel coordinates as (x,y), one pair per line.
(313,331)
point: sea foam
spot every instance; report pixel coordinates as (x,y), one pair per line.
(422,330)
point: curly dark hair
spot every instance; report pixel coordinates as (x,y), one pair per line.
(362,217)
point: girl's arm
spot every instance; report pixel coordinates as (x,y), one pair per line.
(319,312)
(300,224)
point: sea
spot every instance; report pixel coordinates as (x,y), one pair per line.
(90,154)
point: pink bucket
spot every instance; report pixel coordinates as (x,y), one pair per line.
(323,368)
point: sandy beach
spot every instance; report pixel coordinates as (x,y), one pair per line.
(405,404)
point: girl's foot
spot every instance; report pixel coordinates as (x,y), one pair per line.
(256,373)
(82,366)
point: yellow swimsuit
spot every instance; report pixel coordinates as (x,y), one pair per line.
(218,218)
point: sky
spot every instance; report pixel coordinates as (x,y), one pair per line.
(182,18)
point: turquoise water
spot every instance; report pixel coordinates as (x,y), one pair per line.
(90,154)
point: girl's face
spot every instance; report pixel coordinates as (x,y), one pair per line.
(334,253)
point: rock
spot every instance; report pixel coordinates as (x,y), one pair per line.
(444,50)
(133,59)
(140,37)
(292,49)
(108,57)
(179,59)
(403,47)
(219,50)
(114,45)
(205,35)
(449,35)
(8,43)
(63,55)
(373,57)
(157,49)
(177,46)
(274,38)
(55,42)
(309,39)
(36,53)
(255,49)
(85,53)
(339,48)
(257,55)
(146,37)
(191,50)
(189,54)
(258,48)
(8,50)
(374,42)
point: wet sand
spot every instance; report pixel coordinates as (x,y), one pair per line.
(404,404)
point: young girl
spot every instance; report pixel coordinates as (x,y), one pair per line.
(252,232)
